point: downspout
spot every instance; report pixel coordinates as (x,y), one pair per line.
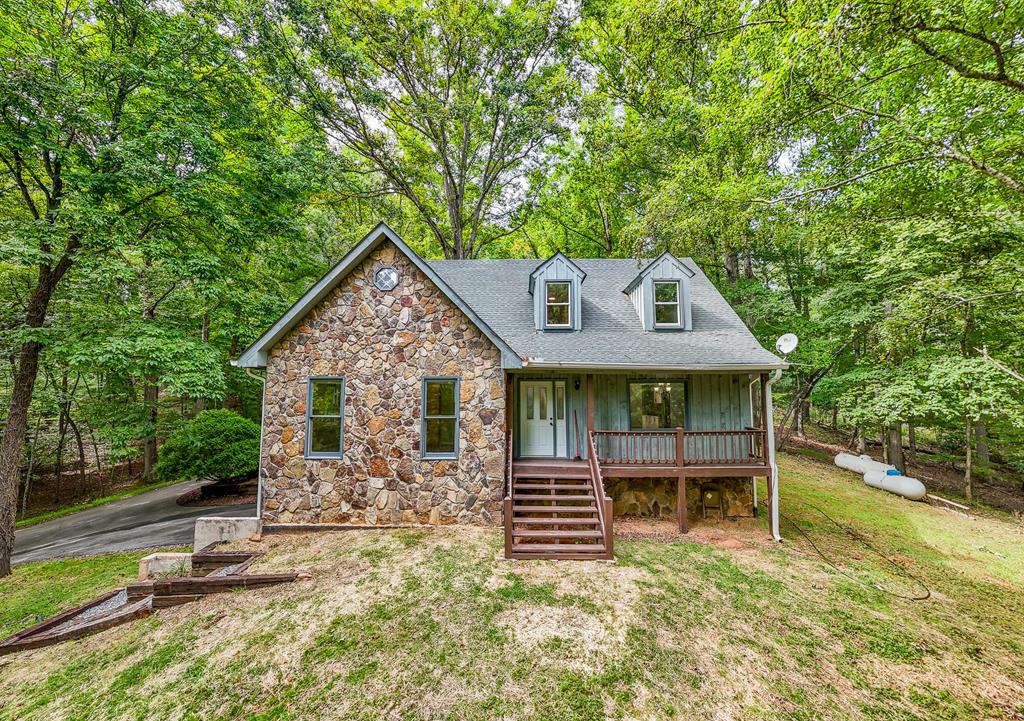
(773,520)
(750,399)
(259,466)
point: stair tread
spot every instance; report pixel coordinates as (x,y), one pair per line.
(554,486)
(556,521)
(555,509)
(543,497)
(576,533)
(555,547)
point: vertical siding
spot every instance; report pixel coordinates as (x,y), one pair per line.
(557,269)
(713,402)
(665,268)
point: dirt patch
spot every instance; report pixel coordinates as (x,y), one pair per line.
(738,535)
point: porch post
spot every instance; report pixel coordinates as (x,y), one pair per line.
(591,405)
(681,506)
(762,423)
(681,509)
(506,504)
(764,413)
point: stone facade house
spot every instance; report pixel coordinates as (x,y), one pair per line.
(547,397)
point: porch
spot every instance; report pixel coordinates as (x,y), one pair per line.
(556,505)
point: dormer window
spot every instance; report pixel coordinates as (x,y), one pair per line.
(557,306)
(555,287)
(661,294)
(666,303)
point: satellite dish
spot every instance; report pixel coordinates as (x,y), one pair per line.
(786,343)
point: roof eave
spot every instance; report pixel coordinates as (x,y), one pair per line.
(699,367)
(256,355)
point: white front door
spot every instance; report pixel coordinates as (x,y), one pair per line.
(536,418)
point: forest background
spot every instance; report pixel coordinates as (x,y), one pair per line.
(175,173)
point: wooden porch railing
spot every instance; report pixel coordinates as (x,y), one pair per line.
(507,501)
(677,447)
(602,500)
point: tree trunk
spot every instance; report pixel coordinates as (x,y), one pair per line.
(912,441)
(835,417)
(150,395)
(732,266)
(968,490)
(81,453)
(96,455)
(31,463)
(981,447)
(894,440)
(14,436)
(860,445)
(62,430)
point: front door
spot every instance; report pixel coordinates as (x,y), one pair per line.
(543,419)
(536,418)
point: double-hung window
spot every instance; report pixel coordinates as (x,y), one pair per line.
(666,303)
(557,296)
(325,417)
(440,430)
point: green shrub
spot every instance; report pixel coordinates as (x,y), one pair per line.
(215,444)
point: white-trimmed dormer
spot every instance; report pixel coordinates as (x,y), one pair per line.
(555,286)
(661,294)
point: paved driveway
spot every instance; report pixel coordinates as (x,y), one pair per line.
(148,520)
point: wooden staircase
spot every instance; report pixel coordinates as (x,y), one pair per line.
(555,510)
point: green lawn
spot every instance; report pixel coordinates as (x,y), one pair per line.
(60,512)
(38,590)
(418,624)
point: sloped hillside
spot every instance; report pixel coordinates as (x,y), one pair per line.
(418,624)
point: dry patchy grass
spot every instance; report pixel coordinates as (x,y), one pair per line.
(420,624)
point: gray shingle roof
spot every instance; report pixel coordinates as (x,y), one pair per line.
(612,335)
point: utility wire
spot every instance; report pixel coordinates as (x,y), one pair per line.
(856,535)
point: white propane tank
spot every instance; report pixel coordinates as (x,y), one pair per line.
(900,485)
(861,464)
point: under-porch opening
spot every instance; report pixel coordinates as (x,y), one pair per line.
(589,446)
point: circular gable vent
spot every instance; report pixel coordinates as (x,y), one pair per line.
(385,278)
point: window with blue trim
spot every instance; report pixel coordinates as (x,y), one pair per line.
(440,430)
(325,417)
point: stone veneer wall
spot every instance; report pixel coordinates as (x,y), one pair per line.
(656,497)
(384,343)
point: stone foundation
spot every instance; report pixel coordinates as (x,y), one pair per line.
(656,497)
(384,344)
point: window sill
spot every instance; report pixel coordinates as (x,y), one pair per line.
(439,456)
